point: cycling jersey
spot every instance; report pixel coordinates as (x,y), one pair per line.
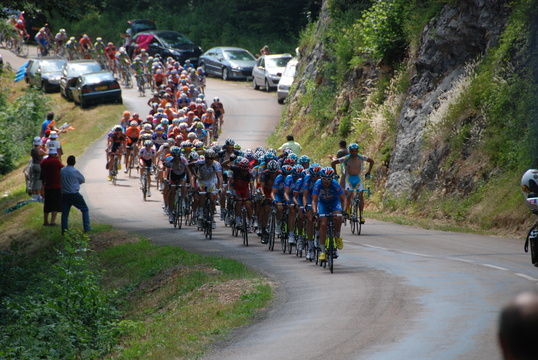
(241,182)
(279,185)
(146,154)
(177,165)
(298,191)
(328,198)
(158,140)
(308,184)
(353,182)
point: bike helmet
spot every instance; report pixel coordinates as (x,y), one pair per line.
(216,99)
(304,160)
(135,115)
(289,161)
(286,169)
(297,170)
(134,123)
(260,148)
(287,151)
(198,144)
(148,143)
(353,146)
(237,146)
(99,39)
(165,122)
(191,135)
(200,125)
(201,96)
(116,128)
(193,156)
(315,169)
(183,126)
(243,164)
(217,148)
(175,150)
(186,144)
(249,154)
(147,126)
(273,166)
(293,157)
(269,156)
(327,172)
(159,128)
(529,184)
(272,151)
(210,154)
(126,113)
(229,142)
(210,110)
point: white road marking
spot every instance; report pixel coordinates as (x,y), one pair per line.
(526,277)
(495,267)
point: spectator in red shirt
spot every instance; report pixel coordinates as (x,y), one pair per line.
(50,175)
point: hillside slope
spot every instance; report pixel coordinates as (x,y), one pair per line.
(442,94)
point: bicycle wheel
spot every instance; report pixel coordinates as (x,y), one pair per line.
(24,49)
(271,232)
(115,171)
(208,219)
(358,217)
(331,248)
(176,213)
(244,225)
(353,218)
(144,185)
(283,237)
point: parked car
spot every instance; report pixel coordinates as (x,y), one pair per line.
(268,70)
(95,88)
(167,43)
(286,80)
(71,70)
(45,74)
(228,62)
(139,25)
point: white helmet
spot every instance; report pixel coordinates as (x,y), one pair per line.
(529,188)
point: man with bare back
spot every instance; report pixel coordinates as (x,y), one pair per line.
(354,166)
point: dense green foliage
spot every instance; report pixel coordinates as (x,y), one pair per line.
(18,123)
(248,24)
(55,308)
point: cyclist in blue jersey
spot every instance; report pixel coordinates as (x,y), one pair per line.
(328,197)
(310,179)
(277,193)
(289,185)
(297,199)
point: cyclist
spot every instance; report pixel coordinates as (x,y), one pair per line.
(266,180)
(308,186)
(85,46)
(71,45)
(242,188)
(43,41)
(353,167)
(132,133)
(177,174)
(110,52)
(293,205)
(116,144)
(60,39)
(21,33)
(146,158)
(277,194)
(218,108)
(208,173)
(208,119)
(327,198)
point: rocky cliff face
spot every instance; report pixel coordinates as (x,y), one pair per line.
(459,36)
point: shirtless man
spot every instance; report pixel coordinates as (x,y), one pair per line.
(354,166)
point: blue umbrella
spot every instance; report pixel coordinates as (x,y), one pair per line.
(21,72)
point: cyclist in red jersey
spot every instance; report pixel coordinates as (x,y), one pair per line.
(242,188)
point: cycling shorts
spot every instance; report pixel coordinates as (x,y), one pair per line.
(210,185)
(147,163)
(115,147)
(326,208)
(175,179)
(208,126)
(353,183)
(279,197)
(299,199)
(241,193)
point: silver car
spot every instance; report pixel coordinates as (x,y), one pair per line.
(268,70)
(228,62)
(286,80)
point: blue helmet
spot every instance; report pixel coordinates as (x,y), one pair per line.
(327,172)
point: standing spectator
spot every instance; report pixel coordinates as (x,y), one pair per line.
(518,326)
(294,146)
(50,174)
(37,153)
(343,151)
(71,180)
(53,142)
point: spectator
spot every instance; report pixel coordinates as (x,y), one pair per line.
(71,180)
(294,146)
(50,174)
(53,142)
(518,326)
(37,153)
(49,123)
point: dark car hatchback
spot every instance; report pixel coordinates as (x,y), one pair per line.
(73,69)
(169,43)
(96,88)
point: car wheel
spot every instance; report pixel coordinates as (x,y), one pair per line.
(83,105)
(225,75)
(254,85)
(267,87)
(281,101)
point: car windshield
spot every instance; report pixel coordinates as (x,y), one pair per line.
(239,55)
(51,66)
(276,62)
(98,78)
(172,39)
(77,69)
(290,70)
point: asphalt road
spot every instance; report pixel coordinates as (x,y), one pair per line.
(397,292)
